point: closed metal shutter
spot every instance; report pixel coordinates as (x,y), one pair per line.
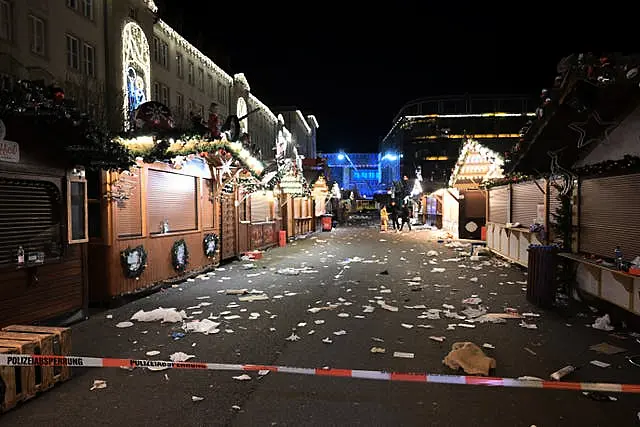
(525,198)
(609,210)
(259,208)
(171,196)
(208,210)
(129,211)
(30,216)
(498,204)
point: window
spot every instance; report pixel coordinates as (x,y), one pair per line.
(160,52)
(212,87)
(6,20)
(201,110)
(37,35)
(190,71)
(171,199)
(89,56)
(20,227)
(73,52)
(201,79)
(164,95)
(179,104)
(191,106)
(156,91)
(73,4)
(77,224)
(133,13)
(180,65)
(87,8)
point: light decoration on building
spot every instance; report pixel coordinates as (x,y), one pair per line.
(184,44)
(472,136)
(304,122)
(241,111)
(313,119)
(335,191)
(136,69)
(291,184)
(479,160)
(242,79)
(263,107)
(142,145)
(468,116)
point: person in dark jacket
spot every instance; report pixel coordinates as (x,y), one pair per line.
(393,214)
(406,216)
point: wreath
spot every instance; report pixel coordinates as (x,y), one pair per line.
(134,261)
(180,255)
(210,245)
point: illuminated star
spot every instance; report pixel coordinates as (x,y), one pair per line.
(580,128)
(226,167)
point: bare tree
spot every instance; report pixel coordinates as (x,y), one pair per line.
(91,96)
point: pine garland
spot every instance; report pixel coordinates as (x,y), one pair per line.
(562,226)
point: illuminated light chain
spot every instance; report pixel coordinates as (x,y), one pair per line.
(263,107)
(304,121)
(135,55)
(314,120)
(473,146)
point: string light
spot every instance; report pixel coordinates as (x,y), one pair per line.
(263,107)
(314,120)
(135,59)
(302,119)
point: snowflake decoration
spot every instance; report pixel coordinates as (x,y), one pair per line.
(226,167)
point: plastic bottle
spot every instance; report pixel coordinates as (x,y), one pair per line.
(20,255)
(618,253)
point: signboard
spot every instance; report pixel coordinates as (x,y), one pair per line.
(9,150)
(291,185)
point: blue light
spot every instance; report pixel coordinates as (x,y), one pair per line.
(340,156)
(391,157)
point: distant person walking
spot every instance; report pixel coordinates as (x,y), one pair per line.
(384,219)
(393,212)
(405,214)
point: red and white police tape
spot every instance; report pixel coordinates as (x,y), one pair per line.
(104,362)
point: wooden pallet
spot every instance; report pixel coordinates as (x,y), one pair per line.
(8,397)
(24,379)
(44,378)
(61,345)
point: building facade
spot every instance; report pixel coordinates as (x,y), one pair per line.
(428,133)
(366,174)
(303,130)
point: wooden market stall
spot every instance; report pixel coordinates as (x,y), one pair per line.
(259,220)
(168,219)
(43,209)
(320,195)
(297,204)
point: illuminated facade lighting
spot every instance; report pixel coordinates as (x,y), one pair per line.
(302,119)
(437,158)
(263,107)
(314,120)
(136,69)
(466,116)
(473,136)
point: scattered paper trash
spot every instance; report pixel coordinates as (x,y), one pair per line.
(340,332)
(327,340)
(243,377)
(293,337)
(153,353)
(204,326)
(165,315)
(197,399)
(378,350)
(236,408)
(124,325)
(489,346)
(438,339)
(606,348)
(403,355)
(600,364)
(603,323)
(181,357)
(407,325)
(98,384)
(526,325)
(470,358)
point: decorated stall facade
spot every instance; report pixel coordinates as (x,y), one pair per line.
(321,195)
(258,213)
(43,206)
(584,142)
(175,212)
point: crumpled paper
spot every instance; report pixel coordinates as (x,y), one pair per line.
(204,326)
(165,315)
(603,323)
(470,358)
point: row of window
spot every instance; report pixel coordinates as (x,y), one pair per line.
(161,93)
(160,50)
(81,59)
(82,6)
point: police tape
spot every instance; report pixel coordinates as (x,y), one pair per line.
(18,360)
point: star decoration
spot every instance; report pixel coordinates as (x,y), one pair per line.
(581,126)
(226,167)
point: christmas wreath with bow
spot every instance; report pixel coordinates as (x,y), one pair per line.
(179,255)
(133,261)
(210,245)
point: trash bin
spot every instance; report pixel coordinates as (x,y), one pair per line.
(327,222)
(282,238)
(541,276)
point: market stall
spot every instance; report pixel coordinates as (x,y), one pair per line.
(320,195)
(43,207)
(173,214)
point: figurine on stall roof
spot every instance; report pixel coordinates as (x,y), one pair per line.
(214,121)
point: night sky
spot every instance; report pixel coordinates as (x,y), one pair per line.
(355,71)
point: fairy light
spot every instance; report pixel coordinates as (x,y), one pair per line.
(468,116)
(135,54)
(301,117)
(151,5)
(263,107)
(314,120)
(192,50)
(475,153)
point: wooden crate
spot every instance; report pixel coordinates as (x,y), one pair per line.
(8,397)
(61,345)
(25,378)
(43,345)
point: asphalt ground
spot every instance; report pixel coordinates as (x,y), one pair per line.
(145,398)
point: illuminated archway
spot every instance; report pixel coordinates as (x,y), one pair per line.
(136,69)
(241,111)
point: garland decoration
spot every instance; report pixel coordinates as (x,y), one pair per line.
(133,261)
(210,245)
(627,165)
(509,179)
(179,255)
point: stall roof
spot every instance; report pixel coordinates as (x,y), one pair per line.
(476,164)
